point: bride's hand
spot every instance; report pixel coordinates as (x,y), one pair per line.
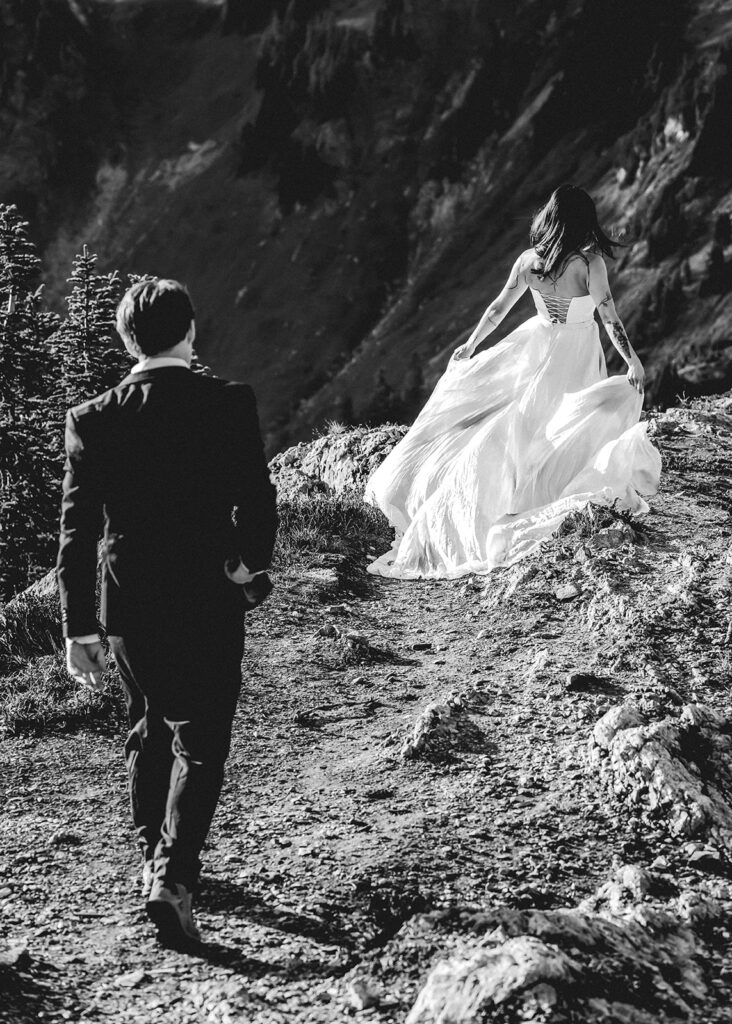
(636,374)
(463,351)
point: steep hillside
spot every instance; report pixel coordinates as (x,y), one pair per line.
(344,187)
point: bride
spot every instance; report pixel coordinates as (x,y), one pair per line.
(516,437)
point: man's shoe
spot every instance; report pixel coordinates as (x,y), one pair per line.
(148,877)
(169,908)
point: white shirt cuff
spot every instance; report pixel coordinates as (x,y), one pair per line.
(90,638)
(241,574)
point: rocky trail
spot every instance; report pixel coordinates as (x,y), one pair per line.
(501,799)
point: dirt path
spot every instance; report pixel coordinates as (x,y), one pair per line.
(327,841)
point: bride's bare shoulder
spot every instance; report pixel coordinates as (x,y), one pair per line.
(595,262)
(527,261)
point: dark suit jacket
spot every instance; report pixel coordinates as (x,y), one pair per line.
(171,465)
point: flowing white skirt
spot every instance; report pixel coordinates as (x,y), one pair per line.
(509,443)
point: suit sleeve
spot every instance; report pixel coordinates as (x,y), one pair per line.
(81,522)
(255,497)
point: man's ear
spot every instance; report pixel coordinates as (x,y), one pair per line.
(131,352)
(190,337)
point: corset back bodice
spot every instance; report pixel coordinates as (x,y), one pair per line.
(556,309)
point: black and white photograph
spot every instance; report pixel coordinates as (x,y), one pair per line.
(365,511)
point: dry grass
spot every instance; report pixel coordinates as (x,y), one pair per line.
(322,523)
(39,697)
(29,626)
(590,519)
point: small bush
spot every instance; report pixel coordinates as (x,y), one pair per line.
(589,520)
(324,523)
(30,625)
(334,427)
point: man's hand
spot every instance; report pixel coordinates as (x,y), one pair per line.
(86,663)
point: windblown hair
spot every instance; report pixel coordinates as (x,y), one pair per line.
(154,315)
(563,228)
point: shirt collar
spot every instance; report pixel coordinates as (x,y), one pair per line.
(156,362)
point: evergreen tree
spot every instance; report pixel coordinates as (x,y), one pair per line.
(88,348)
(27,516)
(45,367)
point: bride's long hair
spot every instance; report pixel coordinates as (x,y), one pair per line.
(563,228)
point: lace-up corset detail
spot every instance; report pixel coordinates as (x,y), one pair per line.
(556,308)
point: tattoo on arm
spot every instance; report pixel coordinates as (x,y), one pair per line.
(618,335)
(606,301)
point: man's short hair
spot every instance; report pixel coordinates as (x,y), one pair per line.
(154,315)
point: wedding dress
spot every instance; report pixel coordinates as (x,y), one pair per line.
(509,443)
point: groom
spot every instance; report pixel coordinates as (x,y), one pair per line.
(170,463)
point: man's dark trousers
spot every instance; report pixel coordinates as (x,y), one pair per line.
(181,698)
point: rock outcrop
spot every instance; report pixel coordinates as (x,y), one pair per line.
(675,765)
(339,462)
(543,965)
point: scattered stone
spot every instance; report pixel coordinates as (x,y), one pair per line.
(64,838)
(441,730)
(628,886)
(422,645)
(15,955)
(362,995)
(337,609)
(517,576)
(328,631)
(707,859)
(220,1002)
(133,979)
(567,592)
(539,666)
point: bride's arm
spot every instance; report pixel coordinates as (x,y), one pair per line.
(513,289)
(599,287)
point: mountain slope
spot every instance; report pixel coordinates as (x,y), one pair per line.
(344,188)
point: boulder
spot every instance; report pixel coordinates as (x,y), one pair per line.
(677,765)
(620,957)
(339,462)
(442,729)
